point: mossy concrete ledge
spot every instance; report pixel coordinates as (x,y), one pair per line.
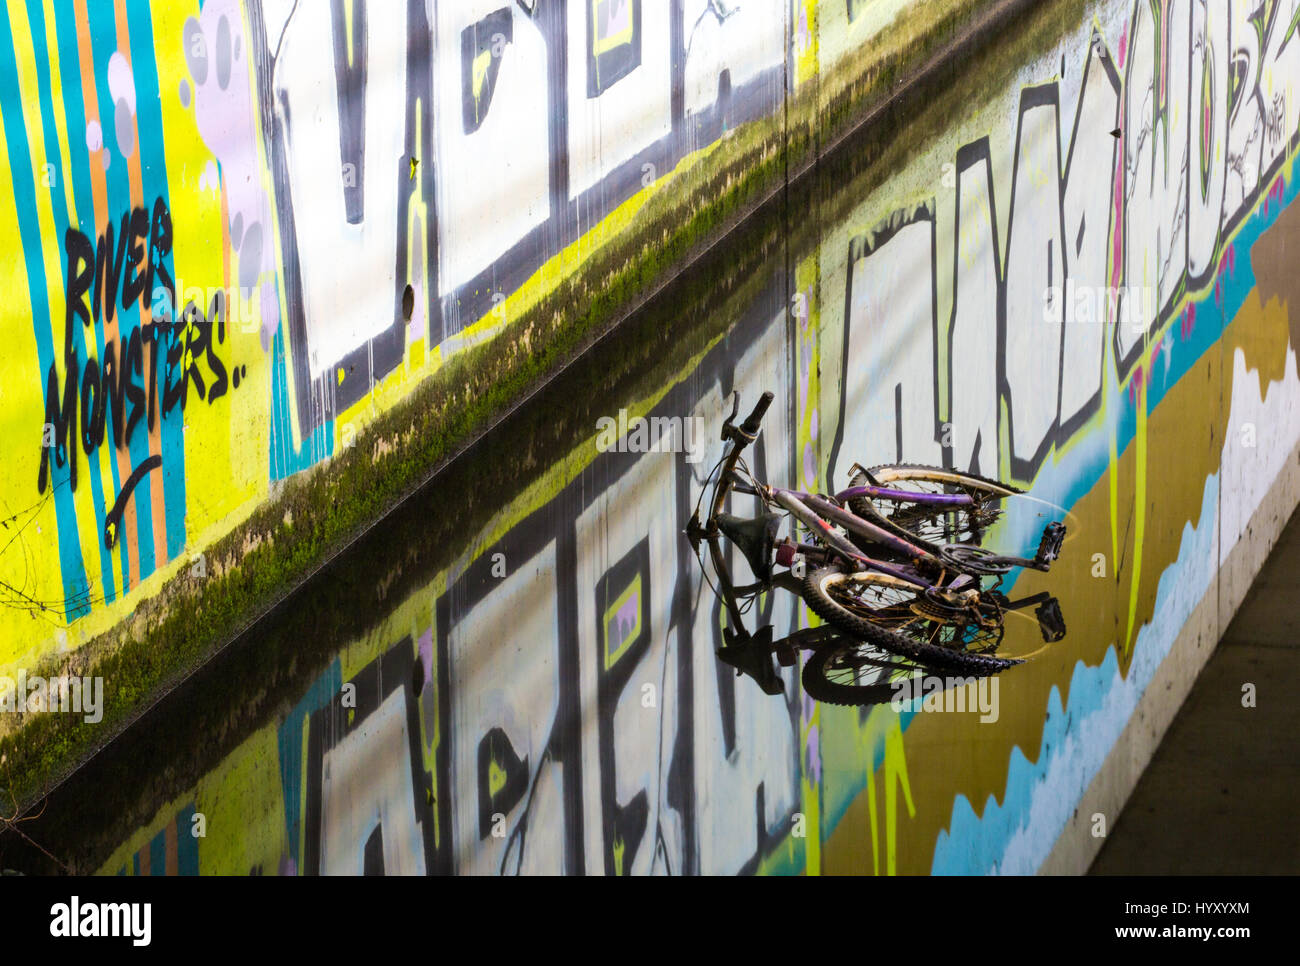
(313,515)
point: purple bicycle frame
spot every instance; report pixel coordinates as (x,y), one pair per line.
(813,511)
(925,499)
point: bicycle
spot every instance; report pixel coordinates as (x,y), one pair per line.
(925,603)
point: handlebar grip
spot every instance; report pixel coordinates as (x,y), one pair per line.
(750,425)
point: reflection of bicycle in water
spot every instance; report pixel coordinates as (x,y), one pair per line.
(843,670)
(894,565)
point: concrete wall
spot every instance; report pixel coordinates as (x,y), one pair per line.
(921,326)
(242,232)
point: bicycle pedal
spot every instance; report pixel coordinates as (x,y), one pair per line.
(1049,547)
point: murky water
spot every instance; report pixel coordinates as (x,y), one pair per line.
(516,672)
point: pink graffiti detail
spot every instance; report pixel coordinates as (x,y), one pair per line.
(1276,193)
(812,743)
(426,655)
(1117,211)
(227,122)
(812,755)
(1189,320)
(1123,46)
(624,621)
(617,18)
(1135,385)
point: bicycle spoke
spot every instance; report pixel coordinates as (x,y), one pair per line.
(902,611)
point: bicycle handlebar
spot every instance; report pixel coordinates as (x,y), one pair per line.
(750,426)
(740,437)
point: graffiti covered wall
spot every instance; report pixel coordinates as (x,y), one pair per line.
(1083,286)
(240,230)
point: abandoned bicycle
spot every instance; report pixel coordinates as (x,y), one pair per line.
(872,580)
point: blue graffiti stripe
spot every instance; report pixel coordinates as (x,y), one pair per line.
(80,175)
(287,460)
(74,109)
(69,53)
(289,739)
(103,33)
(187,845)
(71,562)
(153,165)
(62,221)
(158,853)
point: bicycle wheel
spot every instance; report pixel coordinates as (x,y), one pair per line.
(853,673)
(850,672)
(933,525)
(894,615)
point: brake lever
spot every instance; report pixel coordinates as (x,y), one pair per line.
(728,423)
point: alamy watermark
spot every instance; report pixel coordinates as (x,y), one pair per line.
(128,920)
(1084,304)
(656,434)
(240,307)
(933,693)
(35,694)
